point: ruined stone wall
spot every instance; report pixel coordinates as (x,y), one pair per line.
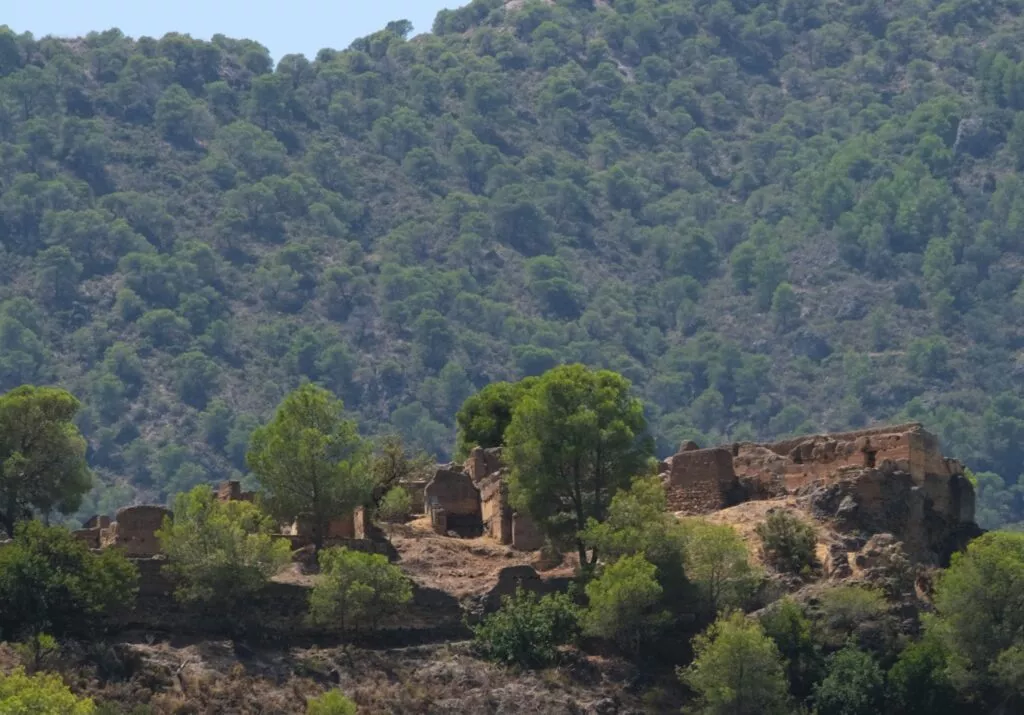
(699,481)
(483,463)
(232,491)
(134,530)
(415,488)
(526,535)
(454,492)
(801,461)
(495,510)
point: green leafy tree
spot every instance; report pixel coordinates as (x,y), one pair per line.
(484,417)
(391,466)
(42,455)
(639,522)
(356,588)
(624,603)
(737,670)
(310,460)
(718,564)
(854,684)
(220,553)
(575,437)
(791,631)
(396,505)
(979,618)
(40,694)
(918,683)
(527,630)
(50,582)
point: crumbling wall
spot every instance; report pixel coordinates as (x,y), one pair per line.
(454,492)
(526,534)
(134,530)
(495,510)
(483,463)
(804,460)
(699,481)
(232,491)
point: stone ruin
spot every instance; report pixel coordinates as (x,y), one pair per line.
(473,500)
(133,530)
(890,479)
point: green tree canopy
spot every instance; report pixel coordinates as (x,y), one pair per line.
(310,460)
(737,670)
(40,694)
(42,455)
(220,552)
(576,437)
(50,582)
(979,616)
(356,589)
(484,417)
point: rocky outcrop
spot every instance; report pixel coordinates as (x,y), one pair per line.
(932,518)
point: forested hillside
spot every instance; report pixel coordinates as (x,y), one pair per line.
(771,218)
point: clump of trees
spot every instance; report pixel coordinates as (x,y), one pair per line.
(220,553)
(51,583)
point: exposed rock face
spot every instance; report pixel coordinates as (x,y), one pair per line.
(932,519)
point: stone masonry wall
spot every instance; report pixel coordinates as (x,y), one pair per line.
(700,480)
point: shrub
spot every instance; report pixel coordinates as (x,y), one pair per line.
(50,582)
(785,623)
(625,603)
(527,630)
(716,563)
(40,694)
(396,505)
(788,542)
(854,685)
(220,552)
(737,670)
(333,702)
(844,607)
(356,587)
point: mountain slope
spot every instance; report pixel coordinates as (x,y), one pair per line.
(771,217)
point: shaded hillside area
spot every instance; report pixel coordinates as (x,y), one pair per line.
(773,218)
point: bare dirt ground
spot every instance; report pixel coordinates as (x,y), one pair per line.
(460,567)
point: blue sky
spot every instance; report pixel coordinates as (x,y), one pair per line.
(285,27)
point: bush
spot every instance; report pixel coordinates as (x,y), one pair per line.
(717,564)
(396,505)
(785,623)
(788,542)
(737,670)
(220,552)
(625,603)
(333,702)
(854,685)
(355,587)
(527,630)
(50,582)
(844,607)
(40,694)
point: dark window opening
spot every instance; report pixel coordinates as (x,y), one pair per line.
(869,458)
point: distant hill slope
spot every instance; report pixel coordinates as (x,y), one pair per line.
(772,218)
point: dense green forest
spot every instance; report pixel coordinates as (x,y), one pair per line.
(772,218)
